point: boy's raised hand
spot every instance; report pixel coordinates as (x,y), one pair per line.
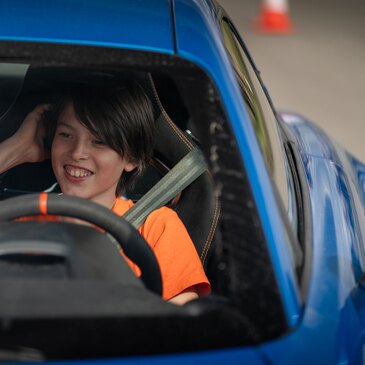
(30,135)
(27,144)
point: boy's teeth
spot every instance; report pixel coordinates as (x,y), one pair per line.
(78,172)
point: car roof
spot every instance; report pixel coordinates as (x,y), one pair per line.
(134,24)
(180,27)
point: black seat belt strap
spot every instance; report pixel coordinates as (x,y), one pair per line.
(187,170)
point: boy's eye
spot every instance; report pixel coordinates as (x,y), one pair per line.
(64,134)
(98,142)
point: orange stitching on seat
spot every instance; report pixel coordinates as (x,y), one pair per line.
(181,135)
(167,117)
(213,227)
(211,232)
(177,131)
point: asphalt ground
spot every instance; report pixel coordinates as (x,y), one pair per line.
(319,70)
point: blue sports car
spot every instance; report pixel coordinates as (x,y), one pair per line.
(274,207)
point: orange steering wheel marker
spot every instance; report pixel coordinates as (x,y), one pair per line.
(43,203)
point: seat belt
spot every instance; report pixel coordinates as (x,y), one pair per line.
(187,170)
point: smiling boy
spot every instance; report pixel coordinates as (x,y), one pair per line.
(100,140)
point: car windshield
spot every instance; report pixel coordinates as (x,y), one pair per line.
(53,287)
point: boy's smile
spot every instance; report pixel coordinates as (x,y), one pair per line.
(76,172)
(84,166)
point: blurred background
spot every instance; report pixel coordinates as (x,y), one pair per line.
(318,71)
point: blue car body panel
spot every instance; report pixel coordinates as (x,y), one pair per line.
(330,318)
(331,323)
(138,24)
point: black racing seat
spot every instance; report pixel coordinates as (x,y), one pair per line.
(197,205)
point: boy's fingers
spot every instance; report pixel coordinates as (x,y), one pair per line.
(41,108)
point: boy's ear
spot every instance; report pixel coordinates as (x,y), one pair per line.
(129,166)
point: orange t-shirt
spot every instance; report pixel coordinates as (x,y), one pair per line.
(180,265)
(179,262)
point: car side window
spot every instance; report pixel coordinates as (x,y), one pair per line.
(266,128)
(260,113)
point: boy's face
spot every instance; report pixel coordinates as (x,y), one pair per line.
(83,165)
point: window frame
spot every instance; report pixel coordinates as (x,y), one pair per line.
(241,242)
(289,204)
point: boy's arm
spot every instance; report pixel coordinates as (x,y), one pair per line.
(186,296)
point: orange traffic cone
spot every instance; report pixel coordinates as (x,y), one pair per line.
(274,18)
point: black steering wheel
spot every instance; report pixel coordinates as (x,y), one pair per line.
(132,243)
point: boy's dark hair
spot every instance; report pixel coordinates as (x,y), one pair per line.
(121,117)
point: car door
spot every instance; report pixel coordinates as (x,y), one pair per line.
(327,256)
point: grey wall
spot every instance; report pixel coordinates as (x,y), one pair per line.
(319,71)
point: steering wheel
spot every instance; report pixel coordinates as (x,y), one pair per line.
(132,243)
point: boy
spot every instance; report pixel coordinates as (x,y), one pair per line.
(100,140)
